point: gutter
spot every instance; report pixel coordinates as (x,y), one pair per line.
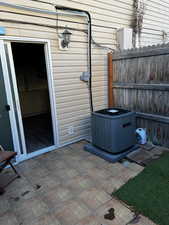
(31,9)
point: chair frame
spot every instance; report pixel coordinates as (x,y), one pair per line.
(5,163)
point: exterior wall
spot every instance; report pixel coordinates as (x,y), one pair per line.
(107,16)
(71,93)
(155,21)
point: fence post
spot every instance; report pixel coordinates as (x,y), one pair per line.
(110,80)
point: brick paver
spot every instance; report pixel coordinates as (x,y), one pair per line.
(67,187)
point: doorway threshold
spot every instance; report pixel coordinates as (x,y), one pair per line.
(35,154)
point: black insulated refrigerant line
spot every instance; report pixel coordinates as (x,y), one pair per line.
(89,46)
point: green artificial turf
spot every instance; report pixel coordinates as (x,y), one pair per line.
(148,193)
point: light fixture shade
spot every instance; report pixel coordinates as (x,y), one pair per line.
(66,37)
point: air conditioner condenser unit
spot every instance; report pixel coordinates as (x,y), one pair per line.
(113,133)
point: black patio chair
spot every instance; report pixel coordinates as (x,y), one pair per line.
(5,160)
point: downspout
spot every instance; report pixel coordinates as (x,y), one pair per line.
(68,9)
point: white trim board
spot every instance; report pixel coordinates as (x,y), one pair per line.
(24,39)
(51,87)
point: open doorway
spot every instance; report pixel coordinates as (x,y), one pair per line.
(33,90)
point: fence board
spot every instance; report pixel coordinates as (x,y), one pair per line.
(155,87)
(141,83)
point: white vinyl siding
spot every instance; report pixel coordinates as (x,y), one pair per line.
(72,98)
(156,20)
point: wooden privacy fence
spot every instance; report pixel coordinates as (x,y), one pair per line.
(139,81)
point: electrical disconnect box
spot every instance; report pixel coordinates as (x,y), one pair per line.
(85,76)
(124,38)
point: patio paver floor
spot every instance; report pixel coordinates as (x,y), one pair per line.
(67,187)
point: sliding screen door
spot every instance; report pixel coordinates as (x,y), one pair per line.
(5,125)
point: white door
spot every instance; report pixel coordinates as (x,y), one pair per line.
(13,96)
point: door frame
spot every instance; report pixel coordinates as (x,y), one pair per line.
(49,68)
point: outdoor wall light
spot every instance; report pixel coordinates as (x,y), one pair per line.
(66,36)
